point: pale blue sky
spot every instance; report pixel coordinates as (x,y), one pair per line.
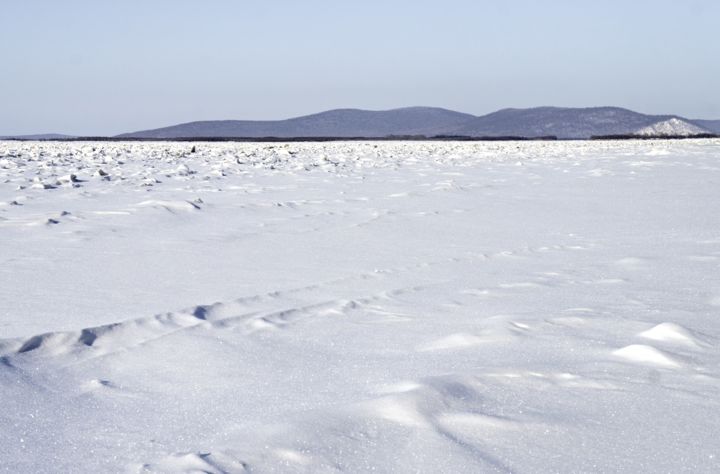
(105,67)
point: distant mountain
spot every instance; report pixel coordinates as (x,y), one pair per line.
(41,136)
(567,123)
(711,125)
(333,123)
(432,121)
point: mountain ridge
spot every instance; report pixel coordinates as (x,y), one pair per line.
(419,121)
(712,125)
(345,122)
(561,122)
(37,136)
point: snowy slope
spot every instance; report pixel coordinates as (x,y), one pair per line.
(360,307)
(671,127)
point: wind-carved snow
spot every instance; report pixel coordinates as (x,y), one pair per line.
(360,307)
(671,127)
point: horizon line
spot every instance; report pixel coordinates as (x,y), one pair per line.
(356,109)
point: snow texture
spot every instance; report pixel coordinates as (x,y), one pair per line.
(360,307)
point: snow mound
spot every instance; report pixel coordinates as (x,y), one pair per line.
(643,354)
(670,332)
(671,127)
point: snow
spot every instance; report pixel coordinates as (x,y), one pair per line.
(671,127)
(360,306)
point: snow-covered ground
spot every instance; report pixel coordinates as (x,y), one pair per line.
(357,307)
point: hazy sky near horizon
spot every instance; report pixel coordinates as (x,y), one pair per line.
(102,67)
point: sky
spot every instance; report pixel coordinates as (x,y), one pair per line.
(103,67)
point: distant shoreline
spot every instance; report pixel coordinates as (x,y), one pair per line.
(340,139)
(423,123)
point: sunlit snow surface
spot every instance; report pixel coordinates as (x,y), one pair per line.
(357,307)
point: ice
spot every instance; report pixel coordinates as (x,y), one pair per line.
(360,306)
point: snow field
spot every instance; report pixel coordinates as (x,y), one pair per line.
(360,307)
